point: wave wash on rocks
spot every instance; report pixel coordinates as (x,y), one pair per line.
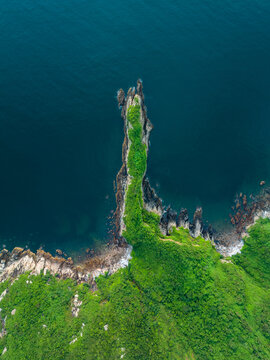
(19,261)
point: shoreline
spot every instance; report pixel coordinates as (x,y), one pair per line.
(117,253)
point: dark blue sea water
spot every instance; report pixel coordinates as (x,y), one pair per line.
(206,73)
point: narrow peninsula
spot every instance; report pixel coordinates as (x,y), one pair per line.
(164,289)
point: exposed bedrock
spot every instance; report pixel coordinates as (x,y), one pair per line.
(183,220)
(19,261)
(196,227)
(168,220)
(150,198)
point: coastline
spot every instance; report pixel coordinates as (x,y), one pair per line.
(116,256)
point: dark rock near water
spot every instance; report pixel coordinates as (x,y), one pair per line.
(168,220)
(197,225)
(59,252)
(121,97)
(151,200)
(209,233)
(183,220)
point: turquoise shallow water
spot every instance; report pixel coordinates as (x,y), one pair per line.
(205,67)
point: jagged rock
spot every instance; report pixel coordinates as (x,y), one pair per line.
(121,97)
(262,183)
(70,261)
(197,225)
(16,252)
(208,233)
(59,252)
(151,200)
(19,261)
(168,220)
(183,220)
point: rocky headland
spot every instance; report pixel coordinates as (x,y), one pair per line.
(117,254)
(227,242)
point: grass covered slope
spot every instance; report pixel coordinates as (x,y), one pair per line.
(255,257)
(175,300)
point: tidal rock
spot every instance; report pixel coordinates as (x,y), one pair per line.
(244,201)
(151,200)
(197,225)
(238,205)
(121,97)
(168,221)
(59,252)
(183,220)
(208,233)
(20,261)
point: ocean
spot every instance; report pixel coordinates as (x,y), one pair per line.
(206,75)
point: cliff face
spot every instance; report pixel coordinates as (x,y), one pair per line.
(19,261)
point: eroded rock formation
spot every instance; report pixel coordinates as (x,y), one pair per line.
(150,198)
(19,261)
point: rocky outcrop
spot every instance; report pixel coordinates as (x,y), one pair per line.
(244,214)
(168,221)
(116,256)
(183,220)
(151,200)
(19,261)
(196,228)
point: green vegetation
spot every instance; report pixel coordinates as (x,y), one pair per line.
(136,230)
(175,300)
(255,257)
